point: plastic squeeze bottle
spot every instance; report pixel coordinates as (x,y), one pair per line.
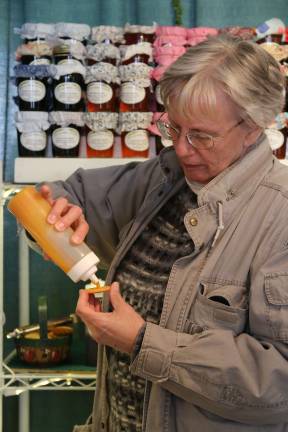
(77,261)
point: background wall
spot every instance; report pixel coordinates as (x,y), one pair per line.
(63,409)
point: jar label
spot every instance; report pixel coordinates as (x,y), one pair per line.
(99,92)
(33,141)
(166,142)
(137,140)
(100,140)
(65,137)
(31,90)
(68,93)
(158,95)
(41,61)
(131,93)
(70,62)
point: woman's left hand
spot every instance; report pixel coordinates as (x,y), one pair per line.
(117,329)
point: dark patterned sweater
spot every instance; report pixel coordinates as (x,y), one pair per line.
(143,275)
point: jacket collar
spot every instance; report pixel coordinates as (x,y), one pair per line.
(244,174)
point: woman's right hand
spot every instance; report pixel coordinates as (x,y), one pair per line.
(64,214)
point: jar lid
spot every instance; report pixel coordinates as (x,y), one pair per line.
(35,30)
(128,51)
(138,73)
(101,33)
(65,118)
(31,121)
(130,121)
(101,120)
(171,30)
(76,31)
(102,72)
(101,51)
(139,29)
(68,69)
(33,48)
(34,71)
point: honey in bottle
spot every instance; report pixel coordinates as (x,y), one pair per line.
(31,210)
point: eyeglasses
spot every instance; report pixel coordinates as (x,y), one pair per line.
(199,140)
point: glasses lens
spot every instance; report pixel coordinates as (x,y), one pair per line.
(202,141)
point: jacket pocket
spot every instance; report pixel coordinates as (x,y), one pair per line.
(218,306)
(276,292)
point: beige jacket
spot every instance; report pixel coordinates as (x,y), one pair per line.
(218,360)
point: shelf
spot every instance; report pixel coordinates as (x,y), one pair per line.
(34,170)
(20,379)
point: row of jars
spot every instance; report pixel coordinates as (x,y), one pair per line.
(100,129)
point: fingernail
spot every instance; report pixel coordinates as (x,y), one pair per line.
(60,226)
(76,239)
(51,218)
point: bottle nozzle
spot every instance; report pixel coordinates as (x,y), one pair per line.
(94,279)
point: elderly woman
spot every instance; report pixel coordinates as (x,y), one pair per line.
(193,336)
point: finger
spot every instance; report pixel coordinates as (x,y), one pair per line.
(81,228)
(94,303)
(115,297)
(59,206)
(83,308)
(46,193)
(69,215)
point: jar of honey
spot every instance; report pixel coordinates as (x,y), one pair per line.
(33,86)
(32,133)
(133,127)
(135,87)
(102,87)
(100,133)
(66,133)
(134,34)
(68,88)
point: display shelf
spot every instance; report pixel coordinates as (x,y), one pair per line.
(35,170)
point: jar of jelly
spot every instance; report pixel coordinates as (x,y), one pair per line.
(133,128)
(68,88)
(33,86)
(135,90)
(31,32)
(34,53)
(112,34)
(66,133)
(72,31)
(134,34)
(102,83)
(103,52)
(100,133)
(138,53)
(32,133)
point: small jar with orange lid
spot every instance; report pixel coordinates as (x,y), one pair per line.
(100,133)
(135,137)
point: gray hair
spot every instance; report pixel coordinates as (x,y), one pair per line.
(243,70)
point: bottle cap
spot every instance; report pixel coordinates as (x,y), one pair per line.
(85,268)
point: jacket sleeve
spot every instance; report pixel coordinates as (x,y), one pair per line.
(239,377)
(110,198)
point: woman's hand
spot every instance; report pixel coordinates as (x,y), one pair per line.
(64,214)
(117,329)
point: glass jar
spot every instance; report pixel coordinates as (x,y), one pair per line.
(103,52)
(100,133)
(102,87)
(133,128)
(67,54)
(134,34)
(135,87)
(66,133)
(112,34)
(278,134)
(32,133)
(34,53)
(33,87)
(68,88)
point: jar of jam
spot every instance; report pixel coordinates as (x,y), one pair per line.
(70,52)
(32,32)
(135,87)
(134,133)
(134,34)
(102,87)
(66,133)
(32,128)
(72,31)
(33,85)
(68,88)
(34,53)
(112,34)
(278,134)
(100,133)
(103,52)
